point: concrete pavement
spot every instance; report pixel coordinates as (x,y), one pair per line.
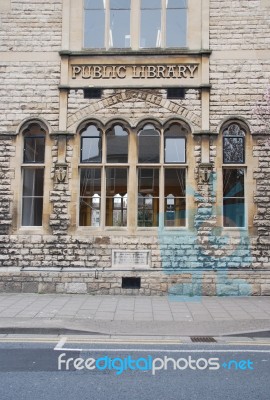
(133,315)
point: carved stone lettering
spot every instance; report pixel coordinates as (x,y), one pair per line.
(168,71)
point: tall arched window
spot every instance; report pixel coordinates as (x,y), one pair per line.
(234,204)
(90,178)
(104,184)
(175,137)
(33,175)
(162,187)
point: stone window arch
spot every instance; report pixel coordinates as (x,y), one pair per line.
(33,173)
(235,174)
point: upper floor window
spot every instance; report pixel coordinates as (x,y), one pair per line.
(163,23)
(33,175)
(156,23)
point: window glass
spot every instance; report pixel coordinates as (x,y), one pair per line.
(176,17)
(116,196)
(119,23)
(233,198)
(32,201)
(34,149)
(34,145)
(148,197)
(91,145)
(148,143)
(94,24)
(150,23)
(117,145)
(175,201)
(175,144)
(233,145)
(175,150)
(90,196)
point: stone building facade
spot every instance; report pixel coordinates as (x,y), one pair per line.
(131,157)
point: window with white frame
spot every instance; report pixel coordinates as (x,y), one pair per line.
(155,23)
(33,175)
(159,174)
(234,204)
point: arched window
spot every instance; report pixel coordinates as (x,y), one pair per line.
(175,144)
(91,145)
(33,175)
(234,204)
(103,181)
(117,145)
(148,145)
(234,144)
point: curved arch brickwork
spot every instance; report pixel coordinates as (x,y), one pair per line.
(138,95)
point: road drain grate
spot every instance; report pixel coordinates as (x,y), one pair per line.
(202,339)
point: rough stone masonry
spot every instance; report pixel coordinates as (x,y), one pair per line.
(202,260)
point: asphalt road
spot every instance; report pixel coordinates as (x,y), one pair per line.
(30,371)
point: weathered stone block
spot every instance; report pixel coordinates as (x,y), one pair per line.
(76,287)
(30,287)
(46,287)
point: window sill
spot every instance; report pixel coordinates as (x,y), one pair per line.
(138,52)
(31,230)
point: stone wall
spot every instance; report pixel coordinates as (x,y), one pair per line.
(239,78)
(30,38)
(32,26)
(152,283)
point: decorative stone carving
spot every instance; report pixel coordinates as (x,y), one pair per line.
(205,170)
(60,172)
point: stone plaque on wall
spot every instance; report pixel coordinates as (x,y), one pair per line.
(131,259)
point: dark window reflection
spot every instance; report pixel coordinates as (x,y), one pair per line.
(117,145)
(175,201)
(116,196)
(148,145)
(233,144)
(148,197)
(233,198)
(34,149)
(90,196)
(32,207)
(91,145)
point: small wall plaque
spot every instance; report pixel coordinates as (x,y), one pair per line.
(131,259)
